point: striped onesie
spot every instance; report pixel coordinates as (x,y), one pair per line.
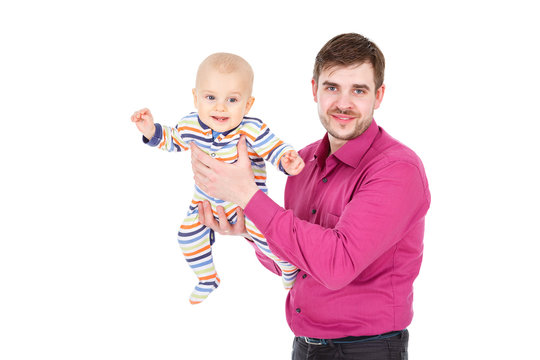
(196,239)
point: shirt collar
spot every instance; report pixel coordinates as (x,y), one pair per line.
(201,124)
(352,152)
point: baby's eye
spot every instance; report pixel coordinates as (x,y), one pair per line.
(210,97)
(232,100)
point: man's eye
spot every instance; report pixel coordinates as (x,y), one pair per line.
(331,88)
(358,91)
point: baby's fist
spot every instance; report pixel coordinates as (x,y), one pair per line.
(292,163)
(145,122)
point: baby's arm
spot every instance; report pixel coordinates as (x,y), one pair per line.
(164,137)
(268,146)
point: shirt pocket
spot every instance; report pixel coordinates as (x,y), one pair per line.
(330,220)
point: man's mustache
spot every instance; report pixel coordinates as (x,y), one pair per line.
(343,112)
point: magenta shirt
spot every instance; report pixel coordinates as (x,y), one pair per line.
(354,225)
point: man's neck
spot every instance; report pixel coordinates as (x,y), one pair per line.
(335,144)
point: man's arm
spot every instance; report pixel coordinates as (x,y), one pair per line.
(375,219)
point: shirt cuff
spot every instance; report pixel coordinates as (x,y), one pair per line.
(260,210)
(283,152)
(156,139)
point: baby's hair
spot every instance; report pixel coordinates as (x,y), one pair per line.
(227,63)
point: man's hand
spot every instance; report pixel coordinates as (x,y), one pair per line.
(223,227)
(145,122)
(292,162)
(229,182)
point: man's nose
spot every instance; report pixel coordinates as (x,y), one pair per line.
(344,102)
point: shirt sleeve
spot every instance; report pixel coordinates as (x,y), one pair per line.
(168,138)
(376,218)
(269,147)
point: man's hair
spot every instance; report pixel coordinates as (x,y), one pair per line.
(350,49)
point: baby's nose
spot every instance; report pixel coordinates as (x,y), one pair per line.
(220,106)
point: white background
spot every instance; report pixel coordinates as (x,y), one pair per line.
(89,264)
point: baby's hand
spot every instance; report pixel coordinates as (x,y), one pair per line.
(145,122)
(292,162)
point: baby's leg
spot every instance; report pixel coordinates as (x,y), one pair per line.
(288,271)
(194,239)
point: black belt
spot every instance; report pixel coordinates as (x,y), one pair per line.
(349,339)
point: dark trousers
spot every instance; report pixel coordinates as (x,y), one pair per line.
(393,348)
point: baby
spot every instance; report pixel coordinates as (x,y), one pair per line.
(222,97)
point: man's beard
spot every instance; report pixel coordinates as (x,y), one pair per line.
(359,128)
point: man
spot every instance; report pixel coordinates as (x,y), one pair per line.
(353,220)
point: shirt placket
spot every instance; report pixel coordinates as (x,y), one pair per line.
(324,176)
(215,146)
(324,181)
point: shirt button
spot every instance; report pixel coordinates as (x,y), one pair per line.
(298,310)
(324,180)
(213,154)
(313,211)
(304,276)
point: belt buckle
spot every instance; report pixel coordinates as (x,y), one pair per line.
(313,341)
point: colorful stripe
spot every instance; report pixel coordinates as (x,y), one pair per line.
(196,239)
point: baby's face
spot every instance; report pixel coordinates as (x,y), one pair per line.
(222,99)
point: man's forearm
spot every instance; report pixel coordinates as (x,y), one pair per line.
(373,221)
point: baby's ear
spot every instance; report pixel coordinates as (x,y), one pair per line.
(249,104)
(194,91)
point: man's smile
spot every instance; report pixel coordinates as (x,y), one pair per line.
(342,118)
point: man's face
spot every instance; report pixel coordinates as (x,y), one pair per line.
(222,99)
(346,98)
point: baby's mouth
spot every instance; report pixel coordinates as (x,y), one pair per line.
(220,118)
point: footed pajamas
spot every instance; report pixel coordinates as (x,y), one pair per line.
(196,239)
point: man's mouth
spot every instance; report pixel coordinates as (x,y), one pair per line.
(342,117)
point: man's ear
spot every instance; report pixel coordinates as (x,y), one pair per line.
(249,104)
(379,96)
(194,91)
(314,89)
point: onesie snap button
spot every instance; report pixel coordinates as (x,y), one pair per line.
(213,154)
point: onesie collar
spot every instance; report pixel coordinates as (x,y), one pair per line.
(223,134)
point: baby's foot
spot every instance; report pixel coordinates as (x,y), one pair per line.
(203,289)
